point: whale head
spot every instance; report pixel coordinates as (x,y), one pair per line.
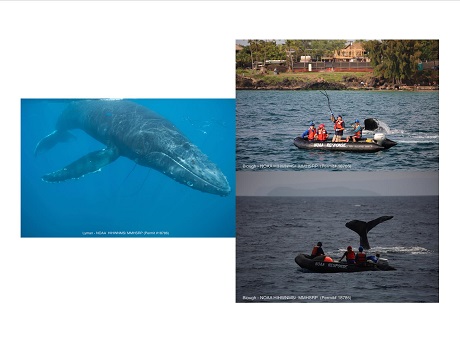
(167,150)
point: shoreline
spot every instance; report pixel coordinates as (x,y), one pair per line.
(349,82)
(405,88)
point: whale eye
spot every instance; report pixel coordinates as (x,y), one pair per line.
(189,183)
(186,146)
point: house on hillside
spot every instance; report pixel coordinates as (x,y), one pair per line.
(351,53)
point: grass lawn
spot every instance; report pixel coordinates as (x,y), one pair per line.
(331,77)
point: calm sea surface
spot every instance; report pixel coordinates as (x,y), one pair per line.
(124,197)
(268,122)
(271,231)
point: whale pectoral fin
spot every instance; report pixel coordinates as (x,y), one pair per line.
(51,140)
(92,162)
(371,124)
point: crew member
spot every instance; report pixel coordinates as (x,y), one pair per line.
(339,126)
(361,258)
(321,134)
(310,133)
(374,258)
(349,255)
(317,250)
(357,132)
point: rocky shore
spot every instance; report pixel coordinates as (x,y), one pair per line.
(348,83)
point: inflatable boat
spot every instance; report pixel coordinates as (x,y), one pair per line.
(320,266)
(378,143)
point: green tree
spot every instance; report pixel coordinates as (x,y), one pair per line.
(396,60)
(430,50)
(263,50)
(243,58)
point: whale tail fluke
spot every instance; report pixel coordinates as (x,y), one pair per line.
(51,140)
(362,228)
(377,221)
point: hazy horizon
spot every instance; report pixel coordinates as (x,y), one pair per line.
(316,183)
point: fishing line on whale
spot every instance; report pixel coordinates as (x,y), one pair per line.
(120,187)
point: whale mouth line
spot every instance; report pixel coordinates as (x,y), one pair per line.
(197,176)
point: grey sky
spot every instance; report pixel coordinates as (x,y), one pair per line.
(321,183)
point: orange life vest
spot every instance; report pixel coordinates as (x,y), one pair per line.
(350,255)
(358,134)
(314,251)
(311,134)
(361,258)
(322,134)
(338,126)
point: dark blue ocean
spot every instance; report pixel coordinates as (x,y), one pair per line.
(268,121)
(123,197)
(271,231)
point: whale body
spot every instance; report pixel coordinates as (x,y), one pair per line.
(136,132)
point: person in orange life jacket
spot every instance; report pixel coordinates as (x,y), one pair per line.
(361,257)
(317,250)
(357,132)
(339,126)
(310,133)
(321,133)
(349,255)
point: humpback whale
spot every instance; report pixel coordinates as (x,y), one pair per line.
(362,228)
(131,130)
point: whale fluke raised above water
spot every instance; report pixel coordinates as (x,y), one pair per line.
(362,228)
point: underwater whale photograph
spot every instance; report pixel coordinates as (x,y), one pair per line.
(127,167)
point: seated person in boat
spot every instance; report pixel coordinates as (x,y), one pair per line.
(339,126)
(310,133)
(357,132)
(349,255)
(374,258)
(317,250)
(321,133)
(361,258)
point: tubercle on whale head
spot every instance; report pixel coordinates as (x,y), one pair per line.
(191,168)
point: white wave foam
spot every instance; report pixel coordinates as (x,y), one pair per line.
(409,250)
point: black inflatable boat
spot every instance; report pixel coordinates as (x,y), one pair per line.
(378,143)
(319,266)
(365,145)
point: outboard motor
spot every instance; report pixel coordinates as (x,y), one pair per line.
(379,138)
(383,262)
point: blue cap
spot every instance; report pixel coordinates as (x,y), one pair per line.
(356,120)
(312,123)
(360,248)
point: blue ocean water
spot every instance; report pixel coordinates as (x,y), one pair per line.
(268,122)
(271,231)
(123,197)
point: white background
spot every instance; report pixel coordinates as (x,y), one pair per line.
(172,291)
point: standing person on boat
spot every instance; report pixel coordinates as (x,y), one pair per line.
(321,133)
(361,257)
(339,126)
(310,133)
(349,255)
(317,250)
(357,132)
